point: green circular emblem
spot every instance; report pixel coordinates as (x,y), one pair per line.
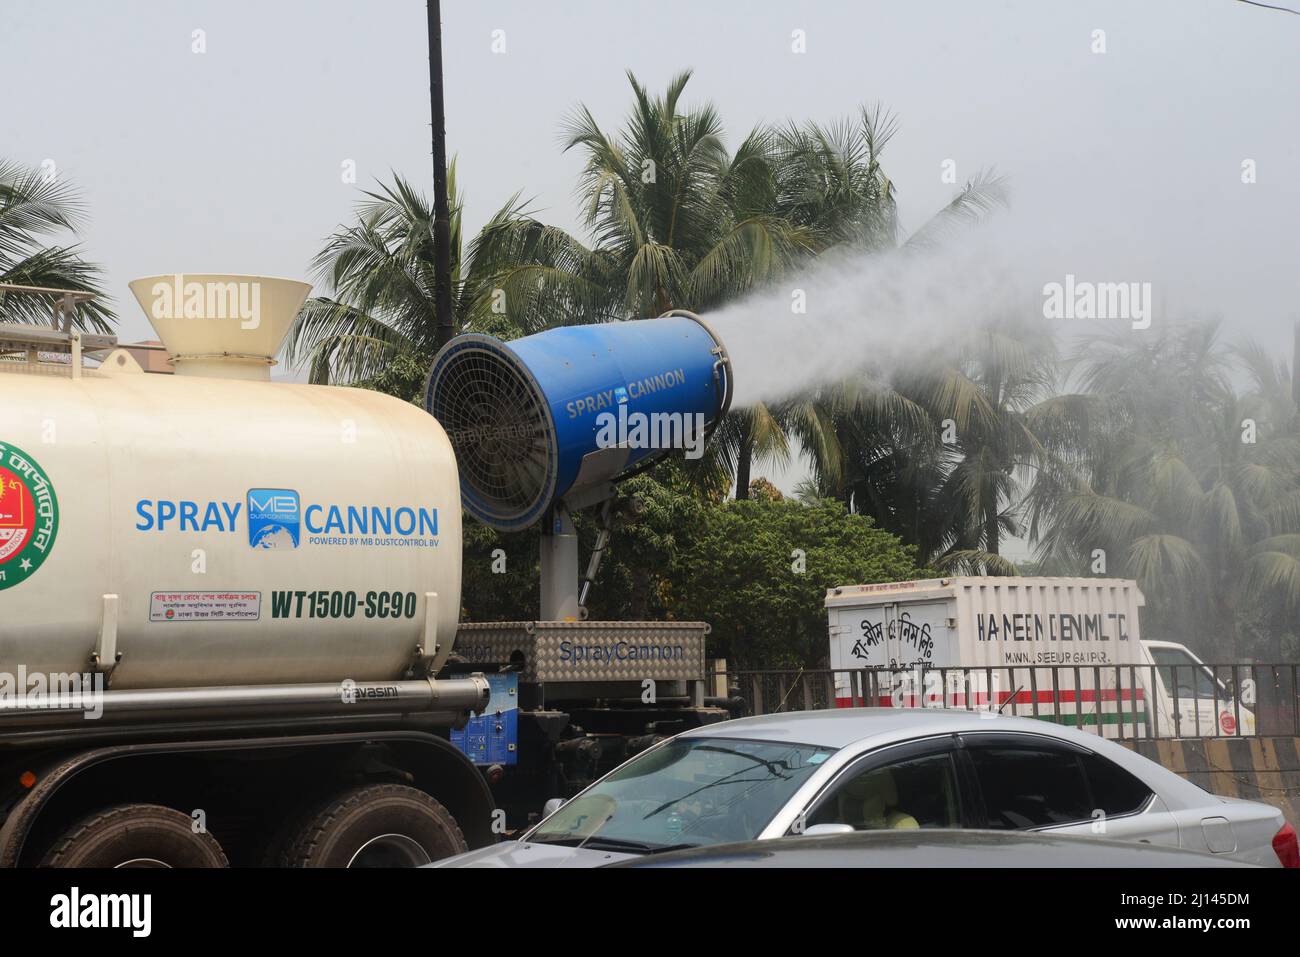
(29,516)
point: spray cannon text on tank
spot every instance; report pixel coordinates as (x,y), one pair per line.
(276,518)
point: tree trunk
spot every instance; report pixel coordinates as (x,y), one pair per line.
(1225,621)
(446,327)
(991,532)
(744,461)
(662,302)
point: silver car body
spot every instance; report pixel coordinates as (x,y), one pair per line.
(1179,814)
(914,848)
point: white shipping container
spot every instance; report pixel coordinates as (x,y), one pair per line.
(1063,649)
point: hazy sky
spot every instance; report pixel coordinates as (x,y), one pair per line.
(230,159)
(1124,165)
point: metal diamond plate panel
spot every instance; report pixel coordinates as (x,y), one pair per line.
(590,650)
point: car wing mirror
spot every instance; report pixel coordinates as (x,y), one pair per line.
(551,806)
(822,829)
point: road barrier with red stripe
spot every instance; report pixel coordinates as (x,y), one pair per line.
(1119,701)
(1045,701)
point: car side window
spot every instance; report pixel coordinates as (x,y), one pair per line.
(1114,790)
(916,792)
(1029,787)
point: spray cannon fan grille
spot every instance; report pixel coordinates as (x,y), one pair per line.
(498,423)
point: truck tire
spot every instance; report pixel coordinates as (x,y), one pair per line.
(375,825)
(282,837)
(135,835)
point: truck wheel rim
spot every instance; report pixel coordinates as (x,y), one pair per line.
(142,862)
(390,850)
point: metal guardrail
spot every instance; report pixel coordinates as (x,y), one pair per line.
(1117,701)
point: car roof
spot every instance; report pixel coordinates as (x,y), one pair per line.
(842,727)
(865,728)
(933,848)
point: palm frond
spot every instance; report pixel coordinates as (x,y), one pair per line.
(983,194)
(973,561)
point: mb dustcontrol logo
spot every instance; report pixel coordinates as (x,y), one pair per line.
(274,518)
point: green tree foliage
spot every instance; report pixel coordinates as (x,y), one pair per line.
(756,570)
(403,375)
(499,574)
(1185,483)
(379,327)
(656,516)
(675,221)
(35,209)
(935,464)
(943,452)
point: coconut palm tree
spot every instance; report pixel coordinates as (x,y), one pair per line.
(944,453)
(883,454)
(675,221)
(33,208)
(379,326)
(828,182)
(1185,484)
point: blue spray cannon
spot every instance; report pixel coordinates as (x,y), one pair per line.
(549,423)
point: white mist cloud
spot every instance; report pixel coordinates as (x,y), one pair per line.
(877,311)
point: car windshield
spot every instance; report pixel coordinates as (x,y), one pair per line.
(689,792)
(1193,679)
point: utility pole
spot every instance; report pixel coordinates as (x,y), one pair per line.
(441,212)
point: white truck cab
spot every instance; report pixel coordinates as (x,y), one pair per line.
(1192,700)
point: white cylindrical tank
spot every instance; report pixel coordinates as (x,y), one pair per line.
(250,531)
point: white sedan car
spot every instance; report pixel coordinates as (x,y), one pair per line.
(824,772)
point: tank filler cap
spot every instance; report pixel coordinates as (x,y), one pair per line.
(219,325)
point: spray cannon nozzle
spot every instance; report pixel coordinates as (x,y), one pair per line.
(557,417)
(723,381)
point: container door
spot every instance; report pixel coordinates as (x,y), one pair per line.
(858,643)
(919,644)
(917,633)
(887,643)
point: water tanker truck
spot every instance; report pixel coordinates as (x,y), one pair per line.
(229,607)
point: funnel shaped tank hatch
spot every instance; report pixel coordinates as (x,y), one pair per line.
(213,324)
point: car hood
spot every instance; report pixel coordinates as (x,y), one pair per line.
(529,854)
